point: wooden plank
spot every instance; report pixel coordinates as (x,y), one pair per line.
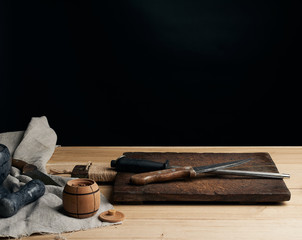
(195,221)
(222,221)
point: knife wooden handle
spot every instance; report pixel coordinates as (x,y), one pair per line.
(23,166)
(162,175)
(18,163)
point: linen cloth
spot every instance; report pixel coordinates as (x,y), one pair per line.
(36,145)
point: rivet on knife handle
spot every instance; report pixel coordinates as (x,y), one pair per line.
(162,175)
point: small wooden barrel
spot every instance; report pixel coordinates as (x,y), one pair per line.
(81,198)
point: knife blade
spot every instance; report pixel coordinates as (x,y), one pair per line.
(180,172)
(33,172)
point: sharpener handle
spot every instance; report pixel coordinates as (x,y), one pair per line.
(124,164)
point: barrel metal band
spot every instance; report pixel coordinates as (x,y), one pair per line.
(81,213)
(81,193)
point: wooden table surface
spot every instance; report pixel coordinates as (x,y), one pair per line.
(194,221)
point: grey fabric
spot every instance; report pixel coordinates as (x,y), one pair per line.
(11,140)
(36,145)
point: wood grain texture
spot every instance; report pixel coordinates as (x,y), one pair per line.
(194,221)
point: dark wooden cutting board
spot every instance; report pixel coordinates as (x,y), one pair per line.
(208,188)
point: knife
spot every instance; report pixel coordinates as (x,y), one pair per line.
(180,172)
(33,172)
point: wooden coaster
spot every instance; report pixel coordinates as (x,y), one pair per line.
(112,216)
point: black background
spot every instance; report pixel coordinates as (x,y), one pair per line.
(154,72)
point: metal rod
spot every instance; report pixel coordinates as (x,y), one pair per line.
(251,173)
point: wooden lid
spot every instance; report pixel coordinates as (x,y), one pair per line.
(112,216)
(81,186)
